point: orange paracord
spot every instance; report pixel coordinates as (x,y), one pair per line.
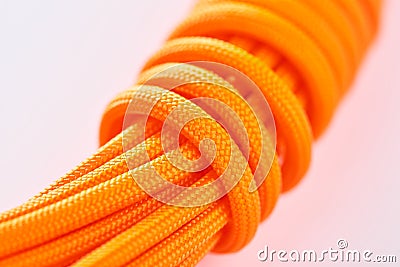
(301,54)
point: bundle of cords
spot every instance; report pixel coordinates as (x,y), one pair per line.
(301,54)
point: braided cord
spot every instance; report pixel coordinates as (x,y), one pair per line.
(302,55)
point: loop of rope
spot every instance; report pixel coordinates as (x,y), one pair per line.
(302,55)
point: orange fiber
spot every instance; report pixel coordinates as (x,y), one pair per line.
(302,55)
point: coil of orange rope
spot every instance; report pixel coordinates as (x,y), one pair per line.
(302,55)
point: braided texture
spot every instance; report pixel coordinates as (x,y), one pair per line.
(302,55)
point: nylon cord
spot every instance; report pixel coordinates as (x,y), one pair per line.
(303,56)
